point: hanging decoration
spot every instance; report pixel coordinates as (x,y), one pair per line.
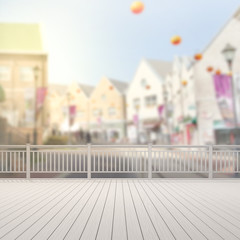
(176,40)
(198,56)
(209,69)
(218,72)
(110,87)
(137,7)
(148,87)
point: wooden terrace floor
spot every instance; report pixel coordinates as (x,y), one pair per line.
(119,209)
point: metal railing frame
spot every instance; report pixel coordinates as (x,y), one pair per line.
(88,149)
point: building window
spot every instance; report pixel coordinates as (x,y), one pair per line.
(96,112)
(111,111)
(103,97)
(26,74)
(150,100)
(143,82)
(80,114)
(5,73)
(136,102)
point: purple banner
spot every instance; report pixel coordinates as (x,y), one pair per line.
(72,111)
(223,90)
(135,119)
(41,94)
(160,110)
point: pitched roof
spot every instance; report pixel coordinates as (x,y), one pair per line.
(120,85)
(162,68)
(87,89)
(20,37)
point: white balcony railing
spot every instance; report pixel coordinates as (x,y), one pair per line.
(141,159)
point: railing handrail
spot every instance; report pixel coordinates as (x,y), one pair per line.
(91,158)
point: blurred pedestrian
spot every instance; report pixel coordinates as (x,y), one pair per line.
(88,137)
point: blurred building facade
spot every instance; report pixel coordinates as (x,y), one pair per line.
(77,98)
(210,118)
(107,111)
(145,102)
(55,100)
(23,69)
(181,103)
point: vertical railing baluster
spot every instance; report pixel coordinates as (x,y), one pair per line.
(150,160)
(237,162)
(28,161)
(210,162)
(233,160)
(89,161)
(94,161)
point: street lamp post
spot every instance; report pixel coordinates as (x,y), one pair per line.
(36,70)
(229,53)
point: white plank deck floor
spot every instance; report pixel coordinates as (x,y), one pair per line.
(119,209)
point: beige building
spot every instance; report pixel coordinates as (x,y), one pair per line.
(55,100)
(23,68)
(107,111)
(76,95)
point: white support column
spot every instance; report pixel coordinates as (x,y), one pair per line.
(150,160)
(210,162)
(28,161)
(89,165)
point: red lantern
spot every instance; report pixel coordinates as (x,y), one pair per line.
(137,7)
(176,40)
(210,69)
(218,72)
(198,56)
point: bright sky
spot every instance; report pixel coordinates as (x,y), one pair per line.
(88,39)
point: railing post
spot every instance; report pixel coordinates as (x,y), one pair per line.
(89,165)
(149,160)
(210,162)
(28,161)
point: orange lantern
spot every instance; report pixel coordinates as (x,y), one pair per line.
(230,74)
(176,40)
(198,56)
(210,69)
(111,88)
(148,87)
(137,7)
(184,83)
(218,72)
(78,90)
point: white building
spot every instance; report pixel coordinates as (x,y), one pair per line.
(181,103)
(144,97)
(209,115)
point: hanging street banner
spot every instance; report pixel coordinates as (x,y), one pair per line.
(160,110)
(223,90)
(72,113)
(135,119)
(41,94)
